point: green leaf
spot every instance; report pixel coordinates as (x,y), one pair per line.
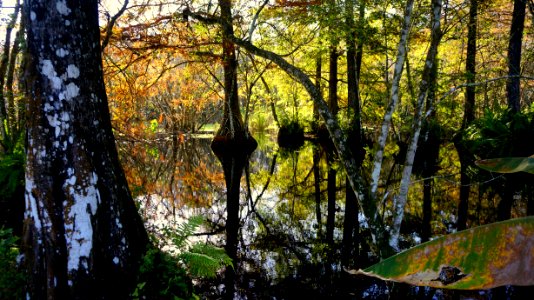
(205,260)
(478,258)
(508,164)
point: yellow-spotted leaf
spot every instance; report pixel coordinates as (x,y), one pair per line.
(478,258)
(508,164)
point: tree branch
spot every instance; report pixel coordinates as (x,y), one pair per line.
(204,18)
(256,16)
(111,23)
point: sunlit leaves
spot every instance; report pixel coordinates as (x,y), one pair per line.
(479,258)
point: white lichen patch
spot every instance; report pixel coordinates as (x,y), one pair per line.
(62,8)
(78,227)
(59,118)
(31,204)
(33,16)
(71,91)
(62,52)
(73,71)
(47,69)
(116,260)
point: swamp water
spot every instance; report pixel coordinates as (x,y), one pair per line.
(287,238)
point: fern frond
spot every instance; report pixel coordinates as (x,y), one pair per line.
(206,263)
(183,231)
(212,251)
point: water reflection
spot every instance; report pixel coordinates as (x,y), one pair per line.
(288,241)
(275,229)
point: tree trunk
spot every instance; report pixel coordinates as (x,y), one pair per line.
(331,155)
(318,74)
(316,151)
(469,115)
(233,166)
(429,156)
(232,143)
(14,115)
(331,195)
(350,223)
(5,141)
(401,198)
(514,55)
(393,100)
(83,236)
(317,189)
(332,81)
(470,65)
(232,133)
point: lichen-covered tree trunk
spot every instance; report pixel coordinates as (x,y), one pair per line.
(401,198)
(83,236)
(393,100)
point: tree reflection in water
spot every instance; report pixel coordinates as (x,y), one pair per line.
(274,228)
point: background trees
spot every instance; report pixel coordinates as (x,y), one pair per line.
(293,34)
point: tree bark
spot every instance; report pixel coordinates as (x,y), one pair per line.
(318,74)
(332,80)
(514,56)
(401,198)
(317,189)
(232,133)
(469,115)
(470,65)
(393,100)
(83,236)
(350,223)
(5,141)
(331,197)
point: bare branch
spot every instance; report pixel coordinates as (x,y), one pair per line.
(112,22)
(255,20)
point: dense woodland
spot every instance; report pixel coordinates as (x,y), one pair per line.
(399,98)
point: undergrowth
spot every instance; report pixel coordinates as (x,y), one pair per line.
(168,274)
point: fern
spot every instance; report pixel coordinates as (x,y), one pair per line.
(182,232)
(11,174)
(200,259)
(205,260)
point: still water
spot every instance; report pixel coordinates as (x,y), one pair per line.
(289,241)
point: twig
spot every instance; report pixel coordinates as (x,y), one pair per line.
(112,23)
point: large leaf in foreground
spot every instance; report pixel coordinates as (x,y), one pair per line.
(508,164)
(479,258)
